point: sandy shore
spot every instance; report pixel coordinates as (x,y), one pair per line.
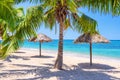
(25,64)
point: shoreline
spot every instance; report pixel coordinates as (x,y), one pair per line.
(75,54)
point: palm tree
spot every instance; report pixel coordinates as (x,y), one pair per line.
(66,13)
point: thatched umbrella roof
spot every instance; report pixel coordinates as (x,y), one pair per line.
(41,38)
(95,38)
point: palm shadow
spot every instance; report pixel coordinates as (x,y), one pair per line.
(8,59)
(23,65)
(1,65)
(95,66)
(43,72)
(19,52)
(42,56)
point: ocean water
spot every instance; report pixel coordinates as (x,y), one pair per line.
(111,50)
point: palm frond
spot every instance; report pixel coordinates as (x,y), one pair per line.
(72,7)
(7,12)
(102,6)
(84,24)
(49,18)
(32,1)
(24,30)
(67,24)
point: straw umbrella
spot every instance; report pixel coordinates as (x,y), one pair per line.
(41,38)
(95,38)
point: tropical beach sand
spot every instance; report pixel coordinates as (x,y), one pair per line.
(25,64)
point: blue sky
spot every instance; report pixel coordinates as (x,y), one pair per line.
(107,24)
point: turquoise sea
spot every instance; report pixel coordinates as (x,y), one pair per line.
(110,50)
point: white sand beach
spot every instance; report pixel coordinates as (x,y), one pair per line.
(26,64)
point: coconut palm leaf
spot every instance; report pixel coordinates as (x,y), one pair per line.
(7,12)
(6,28)
(102,6)
(25,29)
(83,23)
(71,5)
(49,18)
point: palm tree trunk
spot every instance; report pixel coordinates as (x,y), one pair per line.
(59,60)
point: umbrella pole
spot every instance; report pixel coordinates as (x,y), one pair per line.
(90,53)
(40,47)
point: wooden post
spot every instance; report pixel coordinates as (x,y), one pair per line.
(40,47)
(90,53)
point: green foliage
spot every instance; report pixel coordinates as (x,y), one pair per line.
(86,24)
(24,29)
(49,19)
(67,24)
(72,7)
(7,12)
(102,6)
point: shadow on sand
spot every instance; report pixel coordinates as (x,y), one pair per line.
(1,65)
(76,73)
(41,56)
(19,52)
(95,66)
(8,59)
